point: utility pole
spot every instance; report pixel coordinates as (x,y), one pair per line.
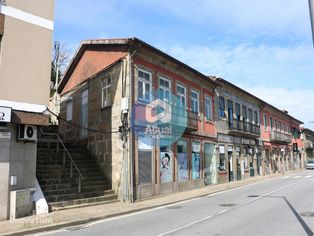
(311,8)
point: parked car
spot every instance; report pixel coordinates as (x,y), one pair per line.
(310,165)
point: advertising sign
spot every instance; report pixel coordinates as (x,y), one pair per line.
(5,114)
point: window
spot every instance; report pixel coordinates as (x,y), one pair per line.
(238,114)
(222,107)
(84,113)
(166,160)
(271,122)
(181,94)
(265,122)
(244,116)
(165,89)
(69,110)
(195,101)
(196,160)
(250,116)
(222,159)
(106,94)
(284,128)
(182,158)
(230,112)
(279,124)
(276,124)
(144,85)
(255,118)
(208,108)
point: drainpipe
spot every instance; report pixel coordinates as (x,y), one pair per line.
(130,62)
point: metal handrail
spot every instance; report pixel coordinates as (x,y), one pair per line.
(81,177)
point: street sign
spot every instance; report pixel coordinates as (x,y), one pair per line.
(5,114)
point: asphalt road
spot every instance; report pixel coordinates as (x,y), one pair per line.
(284,206)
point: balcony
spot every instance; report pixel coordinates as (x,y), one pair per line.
(277,136)
(243,129)
(192,121)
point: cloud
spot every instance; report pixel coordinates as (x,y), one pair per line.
(298,102)
(272,66)
(246,18)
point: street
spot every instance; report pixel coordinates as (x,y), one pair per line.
(282,206)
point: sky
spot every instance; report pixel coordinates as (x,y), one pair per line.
(264,46)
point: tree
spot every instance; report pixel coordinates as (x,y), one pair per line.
(59,61)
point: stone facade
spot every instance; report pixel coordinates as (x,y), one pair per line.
(213,148)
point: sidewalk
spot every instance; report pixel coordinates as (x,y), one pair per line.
(77,216)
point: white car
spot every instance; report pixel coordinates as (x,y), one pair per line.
(310,165)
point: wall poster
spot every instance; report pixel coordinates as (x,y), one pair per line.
(166,161)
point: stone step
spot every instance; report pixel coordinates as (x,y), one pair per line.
(73,190)
(84,202)
(68,180)
(74,185)
(66,169)
(74,196)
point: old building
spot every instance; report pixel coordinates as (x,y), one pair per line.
(238,126)
(110,91)
(279,132)
(25,50)
(308,143)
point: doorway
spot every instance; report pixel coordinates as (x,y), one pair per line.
(230,163)
(210,164)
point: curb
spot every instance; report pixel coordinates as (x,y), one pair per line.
(85,221)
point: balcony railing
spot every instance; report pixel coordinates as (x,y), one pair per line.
(247,128)
(192,121)
(280,137)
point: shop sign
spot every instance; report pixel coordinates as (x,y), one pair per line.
(5,114)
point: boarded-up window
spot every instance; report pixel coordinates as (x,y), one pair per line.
(145,160)
(145,166)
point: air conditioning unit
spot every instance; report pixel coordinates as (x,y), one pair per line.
(27,133)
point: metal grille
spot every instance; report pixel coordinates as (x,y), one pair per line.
(145,166)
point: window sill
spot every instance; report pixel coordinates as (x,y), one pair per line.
(106,107)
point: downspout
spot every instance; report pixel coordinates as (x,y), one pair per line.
(131,141)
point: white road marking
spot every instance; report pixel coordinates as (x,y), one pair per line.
(308,176)
(227,210)
(298,176)
(286,177)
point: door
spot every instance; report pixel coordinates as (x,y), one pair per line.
(230,113)
(210,164)
(84,113)
(230,163)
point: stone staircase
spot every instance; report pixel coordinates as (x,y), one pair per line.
(62,189)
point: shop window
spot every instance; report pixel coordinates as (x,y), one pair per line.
(222,158)
(196,160)
(166,160)
(182,158)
